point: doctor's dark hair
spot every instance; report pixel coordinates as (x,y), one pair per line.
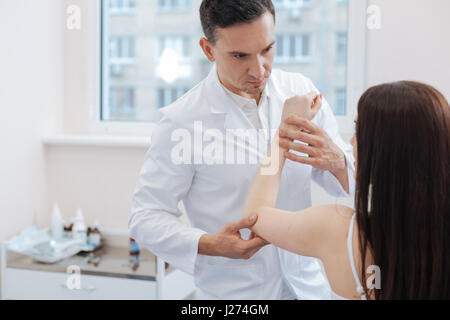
(403,148)
(225,13)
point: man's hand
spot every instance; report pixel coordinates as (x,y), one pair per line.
(227,242)
(305,106)
(322,153)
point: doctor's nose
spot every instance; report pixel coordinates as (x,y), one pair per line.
(257,69)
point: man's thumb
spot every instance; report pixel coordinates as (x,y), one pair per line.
(317,104)
(247,222)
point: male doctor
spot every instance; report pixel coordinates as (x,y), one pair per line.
(241,92)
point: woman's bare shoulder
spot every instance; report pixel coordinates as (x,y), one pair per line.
(334,222)
(333,211)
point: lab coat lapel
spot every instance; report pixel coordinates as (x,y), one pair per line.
(221,103)
(276,106)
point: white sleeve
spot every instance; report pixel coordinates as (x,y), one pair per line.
(327,121)
(154,221)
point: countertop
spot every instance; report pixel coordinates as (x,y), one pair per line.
(114,263)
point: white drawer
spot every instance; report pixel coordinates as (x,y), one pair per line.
(23,284)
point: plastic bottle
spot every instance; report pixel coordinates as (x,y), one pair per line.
(57,223)
(79,228)
(68,229)
(95,236)
(134,252)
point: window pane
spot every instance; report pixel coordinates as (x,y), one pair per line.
(305,47)
(151,55)
(340,102)
(319,49)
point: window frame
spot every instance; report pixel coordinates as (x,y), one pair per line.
(355,75)
(96,111)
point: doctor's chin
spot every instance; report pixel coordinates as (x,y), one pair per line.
(238,151)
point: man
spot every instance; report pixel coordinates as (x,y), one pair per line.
(240,93)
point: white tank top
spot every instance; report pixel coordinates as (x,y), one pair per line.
(359,288)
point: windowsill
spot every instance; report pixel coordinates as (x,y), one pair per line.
(97,141)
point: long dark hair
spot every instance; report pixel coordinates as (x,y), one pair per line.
(403,148)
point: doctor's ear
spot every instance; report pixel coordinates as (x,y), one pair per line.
(207,49)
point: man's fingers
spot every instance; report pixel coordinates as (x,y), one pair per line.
(296,134)
(304,160)
(290,145)
(317,104)
(244,223)
(256,243)
(312,96)
(302,123)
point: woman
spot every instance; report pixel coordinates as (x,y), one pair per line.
(401,226)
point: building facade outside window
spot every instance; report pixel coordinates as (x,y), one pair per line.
(153,51)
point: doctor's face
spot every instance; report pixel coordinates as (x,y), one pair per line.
(244,55)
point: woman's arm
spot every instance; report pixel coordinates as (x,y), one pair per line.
(312,232)
(302,232)
(264,190)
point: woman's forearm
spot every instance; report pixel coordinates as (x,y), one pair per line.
(264,190)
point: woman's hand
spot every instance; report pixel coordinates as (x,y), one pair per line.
(305,106)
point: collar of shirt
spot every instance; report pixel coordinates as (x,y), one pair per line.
(243,102)
(251,110)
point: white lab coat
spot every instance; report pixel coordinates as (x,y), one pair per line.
(214,195)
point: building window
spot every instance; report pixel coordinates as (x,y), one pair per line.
(179,44)
(141,52)
(340,102)
(122,7)
(292,4)
(341,47)
(122,100)
(167,96)
(121,48)
(293,48)
(173,5)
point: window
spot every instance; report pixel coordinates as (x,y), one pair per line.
(339,106)
(292,4)
(121,102)
(168,95)
(293,48)
(151,58)
(341,47)
(173,5)
(122,7)
(179,44)
(121,48)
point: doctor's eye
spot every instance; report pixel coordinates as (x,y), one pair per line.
(240,56)
(268,49)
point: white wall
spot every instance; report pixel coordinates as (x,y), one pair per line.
(30,101)
(100,180)
(412,44)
